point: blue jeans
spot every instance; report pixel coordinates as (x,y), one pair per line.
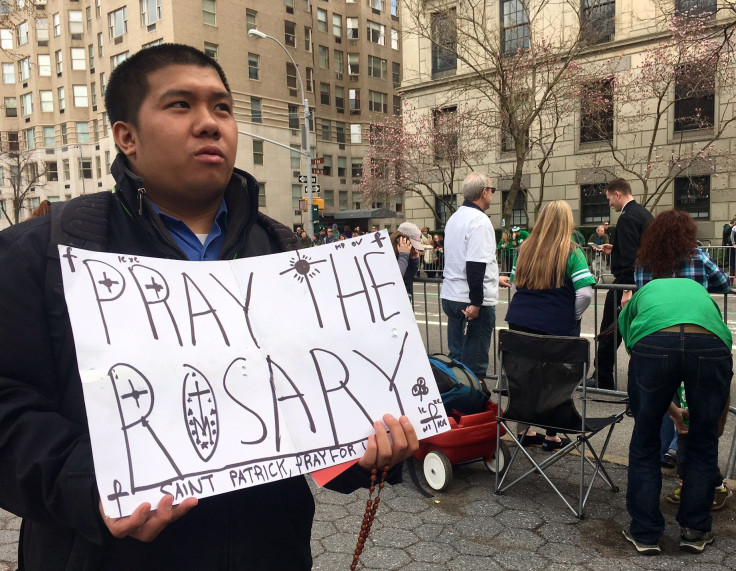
(659,362)
(471,348)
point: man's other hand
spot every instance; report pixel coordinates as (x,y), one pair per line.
(144,524)
(471,312)
(606,248)
(504,281)
(384,450)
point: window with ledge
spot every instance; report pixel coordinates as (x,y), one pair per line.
(24,69)
(377,101)
(340,132)
(80,96)
(291,77)
(253,66)
(293,117)
(66,169)
(309,79)
(295,157)
(56,18)
(356,171)
(340,98)
(307,39)
(91,56)
(29,136)
(351,25)
(376,33)
(150,12)
(84,168)
(61,98)
(396,73)
(594,205)
(377,5)
(377,67)
(338,63)
(324,93)
(394,39)
(342,197)
(321,20)
(353,66)
(209,12)
(76,24)
(251,20)
(117,59)
(329,196)
(79,60)
(52,169)
(354,97)
(290,33)
(342,167)
(118,23)
(44,65)
(444,41)
(514,26)
(211,50)
(356,134)
(13,141)
(262,194)
(397,105)
(100,45)
(289,5)
(26,104)
(598,21)
(327,165)
(83,132)
(59,58)
(6,39)
(326,130)
(257,152)
(596,112)
(47,101)
(694,99)
(11,106)
(8,73)
(42,31)
(256,115)
(337,28)
(22,33)
(692,194)
(324,57)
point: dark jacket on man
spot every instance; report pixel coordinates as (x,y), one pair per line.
(629,228)
(46,471)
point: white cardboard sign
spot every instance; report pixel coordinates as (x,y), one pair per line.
(206,377)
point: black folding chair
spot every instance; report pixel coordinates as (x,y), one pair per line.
(540,374)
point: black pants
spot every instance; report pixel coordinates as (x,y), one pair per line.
(608,344)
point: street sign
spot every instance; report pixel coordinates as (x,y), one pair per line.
(318,171)
(315,188)
(303,179)
(319,161)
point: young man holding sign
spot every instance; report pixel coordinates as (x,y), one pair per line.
(177,196)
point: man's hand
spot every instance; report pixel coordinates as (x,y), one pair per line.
(504,281)
(678,416)
(414,253)
(606,248)
(404,245)
(144,524)
(471,312)
(383,450)
(625,297)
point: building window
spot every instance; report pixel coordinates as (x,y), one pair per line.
(26,104)
(251,20)
(79,59)
(22,33)
(52,169)
(444,41)
(61,96)
(6,39)
(57,25)
(338,63)
(514,26)
(209,12)
(351,25)
(342,168)
(321,20)
(262,194)
(518,214)
(13,142)
(445,133)
(324,93)
(100,44)
(354,95)
(340,99)
(64,134)
(291,76)
(353,66)
(694,99)
(293,117)
(692,194)
(118,22)
(83,132)
(289,6)
(324,57)
(377,101)
(80,96)
(307,39)
(598,20)
(67,170)
(84,168)
(44,65)
(257,152)
(593,203)
(95,130)
(309,79)
(327,165)
(339,131)
(47,101)
(150,12)
(396,73)
(356,170)
(76,24)
(211,50)
(296,195)
(11,107)
(329,196)
(596,112)
(394,39)
(442,208)
(325,129)
(253,66)
(696,7)
(395,9)
(342,198)
(376,33)
(256,115)
(30,138)
(98,167)
(91,56)
(337,27)
(377,67)
(397,105)
(8,73)
(356,134)
(295,157)
(358,196)
(59,57)
(377,5)
(42,30)
(24,69)
(290,33)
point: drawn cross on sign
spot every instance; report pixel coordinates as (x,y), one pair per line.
(118,493)
(134,394)
(154,286)
(69,256)
(107,282)
(378,239)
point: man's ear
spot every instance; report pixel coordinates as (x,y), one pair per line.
(126,137)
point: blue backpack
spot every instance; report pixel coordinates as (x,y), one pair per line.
(459,388)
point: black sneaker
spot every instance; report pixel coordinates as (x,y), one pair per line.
(695,541)
(642,548)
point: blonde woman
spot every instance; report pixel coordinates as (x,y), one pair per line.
(553,286)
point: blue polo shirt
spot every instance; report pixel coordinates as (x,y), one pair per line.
(190,243)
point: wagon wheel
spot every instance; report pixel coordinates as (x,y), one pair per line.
(503,460)
(437,470)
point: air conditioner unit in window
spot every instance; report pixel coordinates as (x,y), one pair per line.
(118,40)
(338,75)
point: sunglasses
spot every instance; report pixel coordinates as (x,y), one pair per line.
(491,188)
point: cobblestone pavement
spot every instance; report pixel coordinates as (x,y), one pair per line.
(469,528)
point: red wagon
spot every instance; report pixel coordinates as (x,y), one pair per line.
(471,437)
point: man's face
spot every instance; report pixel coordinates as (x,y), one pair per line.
(303,234)
(298,230)
(329,233)
(600,231)
(186,139)
(615,200)
(374,229)
(605,226)
(357,229)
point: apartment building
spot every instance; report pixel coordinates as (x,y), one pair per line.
(691,133)
(56,57)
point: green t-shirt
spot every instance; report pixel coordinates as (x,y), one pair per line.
(577,269)
(672,301)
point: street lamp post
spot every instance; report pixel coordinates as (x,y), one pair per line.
(306,147)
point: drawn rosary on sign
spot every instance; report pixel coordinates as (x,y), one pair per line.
(302,266)
(420,388)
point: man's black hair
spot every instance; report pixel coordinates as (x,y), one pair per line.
(128,85)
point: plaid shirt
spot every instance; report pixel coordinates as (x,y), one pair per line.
(699,266)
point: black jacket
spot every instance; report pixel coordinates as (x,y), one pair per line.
(629,228)
(46,470)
